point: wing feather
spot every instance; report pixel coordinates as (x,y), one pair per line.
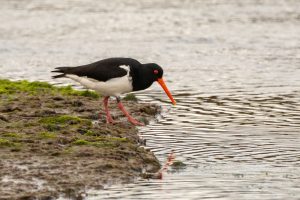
(102,70)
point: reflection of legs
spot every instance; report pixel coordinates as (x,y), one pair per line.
(130,118)
(108,116)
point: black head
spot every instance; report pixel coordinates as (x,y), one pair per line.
(145,75)
(155,71)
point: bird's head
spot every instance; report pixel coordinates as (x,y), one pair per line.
(157,74)
(157,71)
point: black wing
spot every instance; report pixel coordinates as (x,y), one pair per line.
(102,70)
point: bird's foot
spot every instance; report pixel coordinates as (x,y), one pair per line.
(130,118)
(109,120)
(135,122)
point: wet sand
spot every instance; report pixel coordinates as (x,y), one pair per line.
(51,143)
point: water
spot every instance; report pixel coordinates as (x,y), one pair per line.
(233,67)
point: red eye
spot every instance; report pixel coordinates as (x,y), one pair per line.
(155,71)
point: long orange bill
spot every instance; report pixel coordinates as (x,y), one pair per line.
(163,85)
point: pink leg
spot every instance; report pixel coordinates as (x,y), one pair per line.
(109,119)
(130,118)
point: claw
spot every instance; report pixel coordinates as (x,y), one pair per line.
(135,122)
(109,120)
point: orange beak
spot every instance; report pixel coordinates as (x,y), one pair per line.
(163,85)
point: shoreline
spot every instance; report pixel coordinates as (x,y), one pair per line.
(52,145)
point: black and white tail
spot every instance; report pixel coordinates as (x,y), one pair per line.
(63,70)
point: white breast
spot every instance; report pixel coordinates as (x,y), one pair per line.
(112,87)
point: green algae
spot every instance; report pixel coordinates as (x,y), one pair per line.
(12,135)
(68,90)
(7,143)
(63,120)
(89,133)
(81,142)
(112,139)
(11,87)
(100,141)
(130,97)
(66,124)
(47,135)
(178,165)
(60,120)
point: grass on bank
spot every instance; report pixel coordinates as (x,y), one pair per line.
(11,87)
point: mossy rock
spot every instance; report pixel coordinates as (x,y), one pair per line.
(130,97)
(12,87)
(47,135)
(7,143)
(81,142)
(12,135)
(177,165)
(65,119)
(97,143)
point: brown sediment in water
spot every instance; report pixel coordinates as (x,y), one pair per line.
(52,143)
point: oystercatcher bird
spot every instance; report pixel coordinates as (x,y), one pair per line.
(116,76)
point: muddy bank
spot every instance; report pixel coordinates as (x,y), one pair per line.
(52,143)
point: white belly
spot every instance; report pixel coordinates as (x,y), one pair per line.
(112,87)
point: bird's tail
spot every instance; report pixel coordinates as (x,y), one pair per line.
(63,70)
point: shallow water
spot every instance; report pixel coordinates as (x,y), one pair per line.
(233,67)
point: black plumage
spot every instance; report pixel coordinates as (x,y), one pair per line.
(102,70)
(142,74)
